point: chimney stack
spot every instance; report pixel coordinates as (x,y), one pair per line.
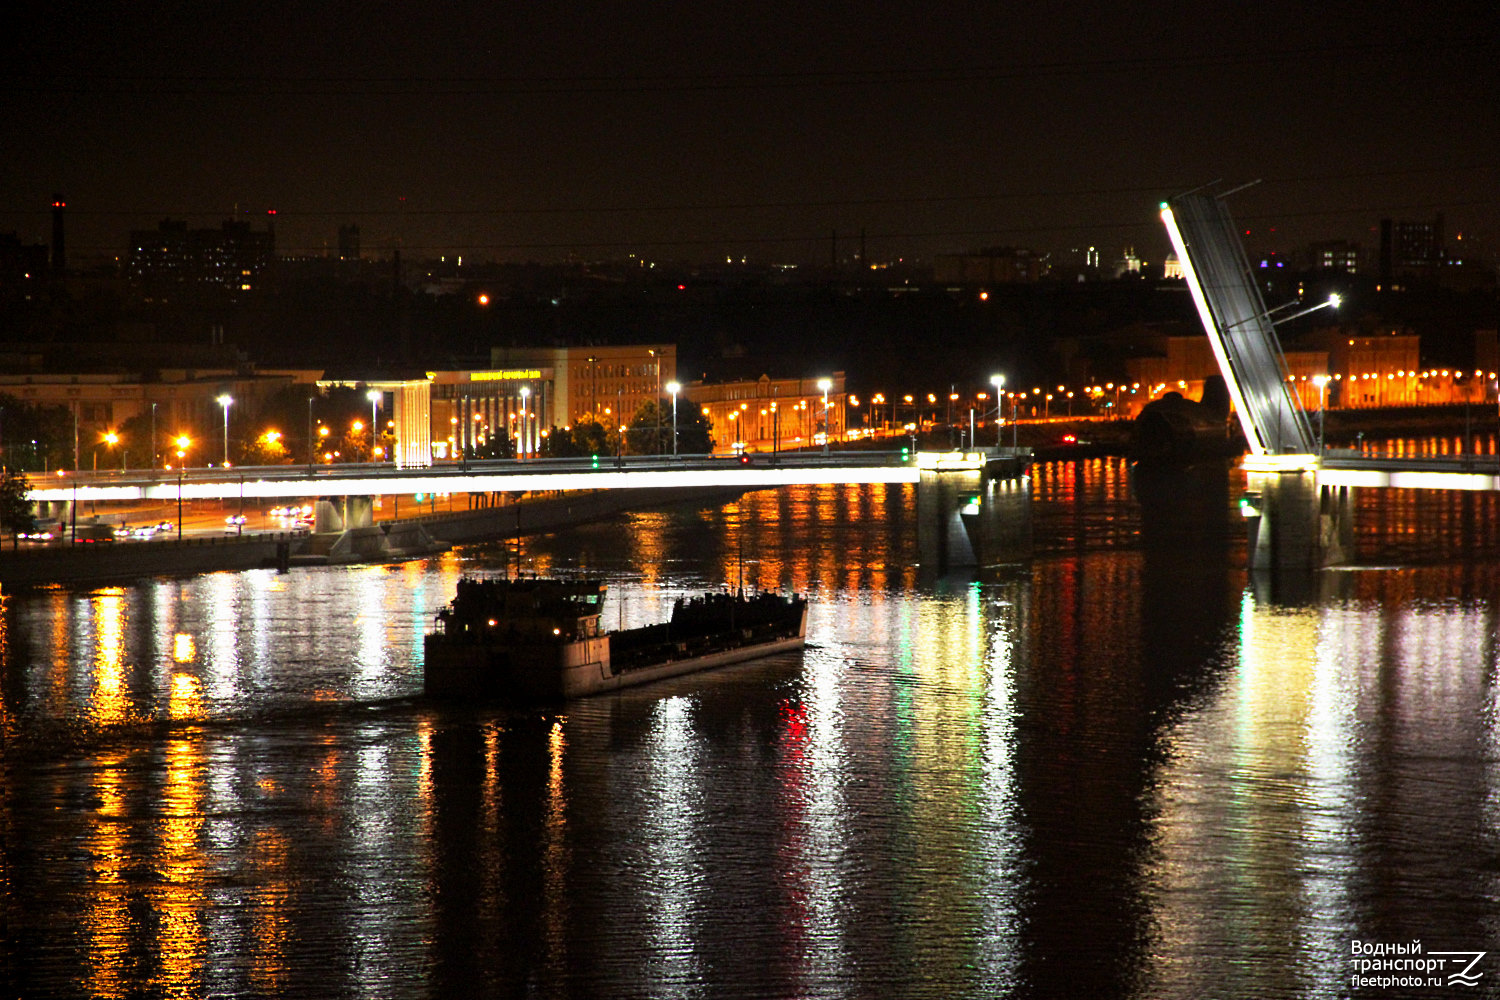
(59,253)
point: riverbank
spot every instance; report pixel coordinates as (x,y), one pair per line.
(394,540)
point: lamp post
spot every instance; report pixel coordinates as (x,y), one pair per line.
(674,388)
(373,396)
(224,401)
(656,363)
(825,385)
(521,440)
(183,441)
(1321,381)
(309,436)
(998,381)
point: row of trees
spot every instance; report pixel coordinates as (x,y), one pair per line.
(296,426)
(648,433)
(41,438)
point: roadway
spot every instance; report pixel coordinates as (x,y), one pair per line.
(253,483)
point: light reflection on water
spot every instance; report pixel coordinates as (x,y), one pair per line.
(1121,771)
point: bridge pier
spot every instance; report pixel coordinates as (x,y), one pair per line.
(343,513)
(359,511)
(57,510)
(1296,523)
(968,520)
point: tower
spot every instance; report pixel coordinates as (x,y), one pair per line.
(59,252)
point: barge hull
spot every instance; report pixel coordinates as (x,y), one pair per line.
(491,673)
(581,682)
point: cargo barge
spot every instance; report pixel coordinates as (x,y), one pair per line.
(539,639)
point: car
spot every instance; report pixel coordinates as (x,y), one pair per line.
(92,532)
(143,532)
(235,520)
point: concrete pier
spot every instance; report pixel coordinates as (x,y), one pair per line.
(968,519)
(1294,521)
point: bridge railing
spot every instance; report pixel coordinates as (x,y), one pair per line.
(458,470)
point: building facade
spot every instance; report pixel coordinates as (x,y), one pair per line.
(767,414)
(172,259)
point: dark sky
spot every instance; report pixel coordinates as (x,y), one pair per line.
(516,130)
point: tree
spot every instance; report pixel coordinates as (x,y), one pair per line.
(135,438)
(35,437)
(268,449)
(651,429)
(285,413)
(15,503)
(587,437)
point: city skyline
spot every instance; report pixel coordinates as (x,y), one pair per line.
(715,131)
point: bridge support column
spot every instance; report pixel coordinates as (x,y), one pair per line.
(966,520)
(1295,523)
(359,511)
(328,515)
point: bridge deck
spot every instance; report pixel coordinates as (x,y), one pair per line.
(1467,472)
(480,477)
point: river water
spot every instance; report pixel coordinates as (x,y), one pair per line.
(1124,769)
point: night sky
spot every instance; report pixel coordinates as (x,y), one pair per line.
(530,131)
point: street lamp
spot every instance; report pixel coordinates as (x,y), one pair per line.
(1321,381)
(656,400)
(112,439)
(374,397)
(674,388)
(183,443)
(825,385)
(521,440)
(224,401)
(998,381)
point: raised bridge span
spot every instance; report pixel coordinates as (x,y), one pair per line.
(1297,504)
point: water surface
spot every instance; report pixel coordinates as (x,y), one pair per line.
(1125,769)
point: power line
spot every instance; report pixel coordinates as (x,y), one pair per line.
(1152,191)
(822,238)
(430,86)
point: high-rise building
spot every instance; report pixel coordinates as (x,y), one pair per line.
(1335,255)
(349,242)
(23,266)
(172,259)
(1410,248)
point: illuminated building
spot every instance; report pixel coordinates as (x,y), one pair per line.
(767,414)
(599,383)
